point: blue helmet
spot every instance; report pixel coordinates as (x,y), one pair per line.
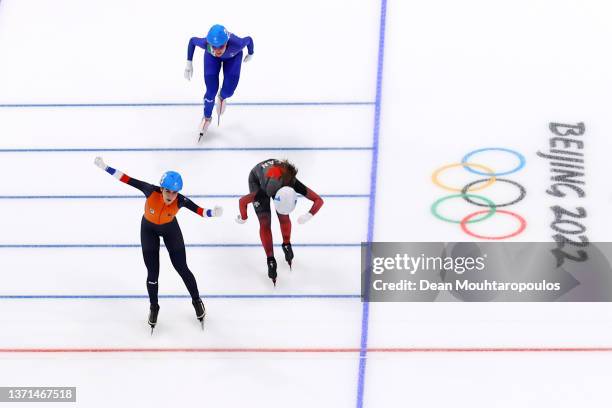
(171,180)
(217,36)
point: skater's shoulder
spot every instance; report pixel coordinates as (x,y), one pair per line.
(239,41)
(200,42)
(182,200)
(154,190)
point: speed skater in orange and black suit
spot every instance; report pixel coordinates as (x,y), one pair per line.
(162,204)
(276,179)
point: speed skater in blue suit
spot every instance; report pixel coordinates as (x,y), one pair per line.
(222,49)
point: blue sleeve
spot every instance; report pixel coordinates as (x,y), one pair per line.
(200,42)
(249,44)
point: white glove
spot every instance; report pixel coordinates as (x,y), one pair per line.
(188,70)
(304,218)
(239,219)
(217,211)
(247,58)
(100,163)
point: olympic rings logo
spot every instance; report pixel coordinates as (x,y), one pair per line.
(467,193)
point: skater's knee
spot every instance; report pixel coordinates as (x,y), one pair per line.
(229,86)
(226,94)
(231,81)
(264,221)
(211,92)
(152,263)
(211,81)
(209,96)
(178,259)
(283,219)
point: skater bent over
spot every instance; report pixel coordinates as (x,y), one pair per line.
(161,206)
(222,48)
(276,179)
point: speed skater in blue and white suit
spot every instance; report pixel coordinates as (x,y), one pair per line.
(222,48)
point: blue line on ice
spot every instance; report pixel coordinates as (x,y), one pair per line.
(258,245)
(78,197)
(177,104)
(365,314)
(206,296)
(185,149)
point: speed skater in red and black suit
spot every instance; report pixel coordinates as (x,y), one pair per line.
(270,179)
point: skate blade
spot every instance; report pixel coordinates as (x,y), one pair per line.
(203,130)
(202,136)
(220,112)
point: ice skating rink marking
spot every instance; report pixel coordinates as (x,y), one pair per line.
(100,197)
(365,311)
(177,104)
(210,245)
(381,350)
(362,350)
(186,149)
(105,297)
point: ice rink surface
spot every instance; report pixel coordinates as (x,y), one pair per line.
(368,99)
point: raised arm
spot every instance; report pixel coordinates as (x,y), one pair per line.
(202,212)
(146,188)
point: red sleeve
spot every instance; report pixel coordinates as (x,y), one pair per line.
(243,202)
(317,201)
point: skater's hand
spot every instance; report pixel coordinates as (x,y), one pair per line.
(239,219)
(247,58)
(100,163)
(217,211)
(304,218)
(188,70)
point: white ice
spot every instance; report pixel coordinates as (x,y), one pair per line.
(458,76)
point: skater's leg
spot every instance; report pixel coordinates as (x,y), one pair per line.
(285,226)
(212,85)
(231,75)
(212,68)
(261,203)
(265,233)
(149,241)
(173,239)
